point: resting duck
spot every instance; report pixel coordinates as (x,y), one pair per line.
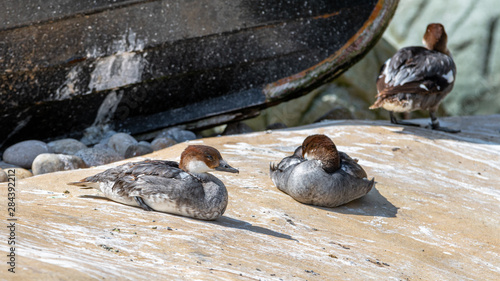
(183,188)
(418,78)
(318,174)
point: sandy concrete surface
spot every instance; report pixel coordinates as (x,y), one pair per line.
(434,214)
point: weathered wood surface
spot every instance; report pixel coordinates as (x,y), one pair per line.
(433,215)
(143,65)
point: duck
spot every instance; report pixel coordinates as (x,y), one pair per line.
(185,188)
(418,78)
(318,174)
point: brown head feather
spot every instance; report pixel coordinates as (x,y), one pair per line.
(321,147)
(208,154)
(435,38)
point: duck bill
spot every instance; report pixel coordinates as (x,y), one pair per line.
(224,167)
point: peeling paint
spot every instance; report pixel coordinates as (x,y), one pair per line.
(69,87)
(117,71)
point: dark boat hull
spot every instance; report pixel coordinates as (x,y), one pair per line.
(138,66)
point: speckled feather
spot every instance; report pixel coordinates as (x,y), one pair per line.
(417,74)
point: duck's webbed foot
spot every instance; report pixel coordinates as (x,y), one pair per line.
(435,125)
(401,122)
(142,204)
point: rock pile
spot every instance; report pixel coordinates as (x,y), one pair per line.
(34,157)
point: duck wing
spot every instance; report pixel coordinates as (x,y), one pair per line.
(177,191)
(167,169)
(351,166)
(281,172)
(416,70)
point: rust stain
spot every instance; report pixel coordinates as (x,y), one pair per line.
(75,59)
(326,16)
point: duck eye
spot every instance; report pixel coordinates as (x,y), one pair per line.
(209,157)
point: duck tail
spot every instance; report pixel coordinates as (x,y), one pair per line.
(85,184)
(371,184)
(272,167)
(374,106)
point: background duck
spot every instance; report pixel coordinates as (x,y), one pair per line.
(418,78)
(183,188)
(318,174)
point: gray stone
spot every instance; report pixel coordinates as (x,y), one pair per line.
(23,153)
(106,136)
(161,143)
(138,150)
(177,134)
(120,142)
(97,133)
(48,163)
(3,176)
(4,165)
(146,144)
(102,146)
(98,156)
(65,146)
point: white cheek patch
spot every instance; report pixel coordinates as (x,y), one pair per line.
(197,166)
(449,77)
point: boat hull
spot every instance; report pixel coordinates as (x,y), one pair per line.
(137,66)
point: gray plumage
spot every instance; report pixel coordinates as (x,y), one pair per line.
(163,186)
(307,182)
(418,78)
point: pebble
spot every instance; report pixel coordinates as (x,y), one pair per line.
(120,142)
(138,150)
(3,176)
(23,153)
(49,162)
(177,134)
(66,146)
(162,142)
(20,173)
(146,144)
(103,146)
(107,136)
(96,156)
(4,165)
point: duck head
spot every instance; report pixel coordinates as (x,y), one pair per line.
(435,38)
(322,148)
(201,159)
